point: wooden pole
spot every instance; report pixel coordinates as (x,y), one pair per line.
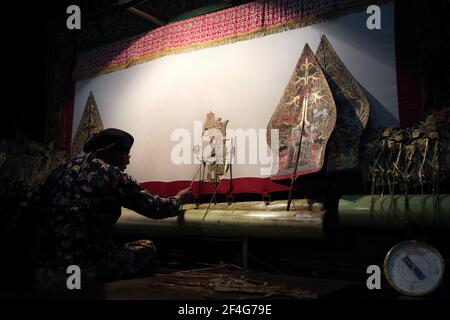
(297,158)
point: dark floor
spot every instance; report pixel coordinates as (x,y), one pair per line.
(214,270)
(220,282)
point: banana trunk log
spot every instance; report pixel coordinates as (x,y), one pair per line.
(252,219)
(395,211)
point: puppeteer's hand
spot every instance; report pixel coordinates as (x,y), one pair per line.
(185,195)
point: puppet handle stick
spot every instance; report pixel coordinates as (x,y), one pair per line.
(294,175)
(210,202)
(214,195)
(193,179)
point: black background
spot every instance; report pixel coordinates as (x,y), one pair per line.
(25,40)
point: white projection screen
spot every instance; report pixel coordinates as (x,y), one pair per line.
(241,82)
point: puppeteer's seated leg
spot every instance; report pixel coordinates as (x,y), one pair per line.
(132,259)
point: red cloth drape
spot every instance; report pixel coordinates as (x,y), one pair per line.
(261,186)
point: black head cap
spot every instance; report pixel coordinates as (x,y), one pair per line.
(109,140)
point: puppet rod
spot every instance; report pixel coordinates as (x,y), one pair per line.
(193,179)
(297,158)
(228,164)
(214,195)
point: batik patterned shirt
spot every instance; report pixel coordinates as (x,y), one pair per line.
(78,205)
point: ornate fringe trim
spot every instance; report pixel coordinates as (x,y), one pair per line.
(256,33)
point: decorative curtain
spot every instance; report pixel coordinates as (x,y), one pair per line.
(238,23)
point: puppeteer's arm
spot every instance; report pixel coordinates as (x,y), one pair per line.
(135,197)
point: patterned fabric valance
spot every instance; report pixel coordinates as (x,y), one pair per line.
(238,23)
